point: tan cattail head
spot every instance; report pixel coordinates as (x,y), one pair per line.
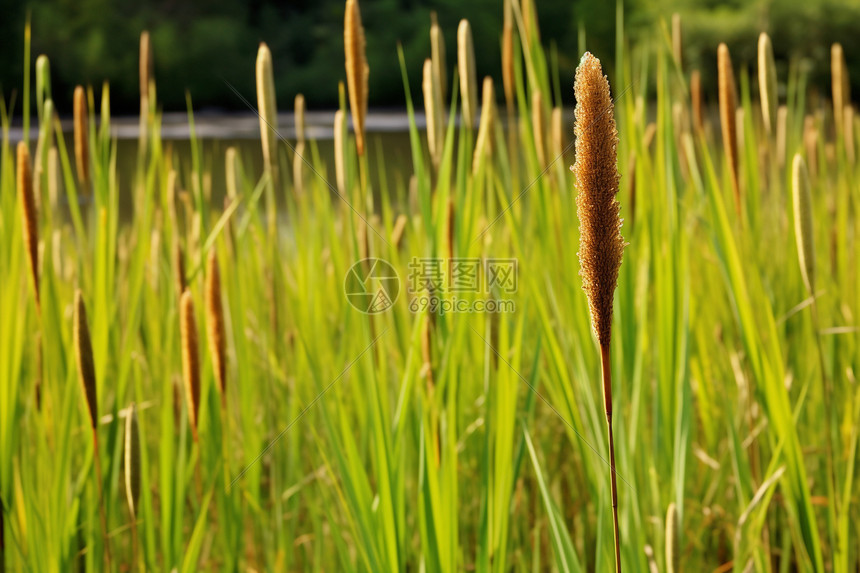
(508,56)
(267,109)
(839,78)
(132,459)
(539,127)
(146,64)
(437,54)
(601,245)
(677,41)
(299,114)
(190,357)
(29,215)
(84,355)
(468,77)
(802,201)
(231,172)
(781,133)
(216,329)
(767,82)
(485,131)
(340,151)
(82,150)
(728,117)
(357,70)
(432,112)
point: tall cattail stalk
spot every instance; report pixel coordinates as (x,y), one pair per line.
(539,128)
(468,77)
(437,55)
(44,143)
(82,150)
(728,105)
(696,98)
(357,70)
(43,85)
(840,85)
(216,330)
(601,245)
(508,56)
(485,129)
(268,111)
(767,82)
(848,120)
(145,72)
(29,216)
(340,151)
(677,40)
(87,379)
(432,112)
(299,155)
(190,358)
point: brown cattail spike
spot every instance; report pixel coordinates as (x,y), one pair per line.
(190,357)
(82,155)
(215,324)
(728,117)
(29,215)
(84,355)
(357,70)
(696,97)
(601,245)
(508,56)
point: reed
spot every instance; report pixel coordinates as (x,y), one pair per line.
(190,358)
(557,132)
(84,356)
(53,180)
(81,129)
(539,128)
(357,70)
(437,55)
(29,217)
(299,152)
(231,172)
(601,246)
(217,334)
(43,85)
(268,111)
(781,134)
(802,202)
(179,268)
(810,144)
(839,85)
(483,144)
(767,82)
(145,67)
(728,107)
(468,77)
(432,113)
(677,40)
(340,151)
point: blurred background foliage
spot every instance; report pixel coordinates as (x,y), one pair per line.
(201,43)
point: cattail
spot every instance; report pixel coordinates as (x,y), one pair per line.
(539,127)
(397,231)
(802,201)
(676,39)
(29,215)
(179,269)
(340,151)
(437,55)
(82,150)
(132,459)
(485,130)
(231,169)
(601,246)
(468,78)
(145,71)
(432,113)
(53,178)
(44,143)
(357,70)
(268,112)
(740,132)
(767,82)
(696,97)
(848,119)
(728,117)
(190,357)
(781,130)
(672,555)
(299,152)
(839,78)
(299,114)
(43,84)
(84,355)
(215,324)
(508,56)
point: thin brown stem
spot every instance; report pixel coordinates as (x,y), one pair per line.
(607,405)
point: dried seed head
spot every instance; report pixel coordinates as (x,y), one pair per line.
(767,82)
(485,130)
(82,150)
(437,54)
(728,117)
(267,109)
(696,97)
(839,78)
(29,215)
(468,77)
(215,323)
(84,355)
(802,201)
(432,112)
(357,70)
(340,151)
(231,168)
(132,459)
(190,357)
(539,127)
(601,245)
(146,64)
(677,43)
(299,114)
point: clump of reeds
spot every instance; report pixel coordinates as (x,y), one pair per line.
(132,459)
(357,70)
(485,129)
(468,77)
(539,127)
(767,82)
(190,358)
(601,244)
(728,117)
(84,355)
(82,150)
(299,152)
(29,216)
(216,330)
(432,112)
